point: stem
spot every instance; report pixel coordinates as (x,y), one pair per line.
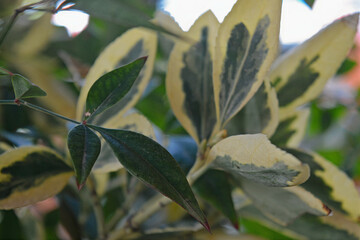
(37,108)
(97,209)
(8,26)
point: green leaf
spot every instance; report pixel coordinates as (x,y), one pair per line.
(214,186)
(29,175)
(310,3)
(112,87)
(3,72)
(253,157)
(84,146)
(151,163)
(246,46)
(346,66)
(23,88)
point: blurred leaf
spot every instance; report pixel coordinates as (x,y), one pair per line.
(29,175)
(10,226)
(184,150)
(84,146)
(3,72)
(346,66)
(151,163)
(310,3)
(23,88)
(300,74)
(253,156)
(112,87)
(256,228)
(214,186)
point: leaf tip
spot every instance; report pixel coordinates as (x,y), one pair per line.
(80,185)
(144,58)
(327,210)
(236,225)
(206,226)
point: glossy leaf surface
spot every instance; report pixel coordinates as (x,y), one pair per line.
(29,175)
(255,158)
(112,87)
(151,163)
(23,88)
(214,186)
(84,146)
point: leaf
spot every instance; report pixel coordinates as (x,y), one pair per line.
(107,161)
(29,175)
(295,201)
(259,115)
(23,88)
(84,146)
(128,47)
(309,227)
(310,3)
(300,74)
(214,187)
(330,184)
(189,83)
(291,130)
(112,87)
(246,46)
(255,158)
(4,71)
(346,66)
(151,163)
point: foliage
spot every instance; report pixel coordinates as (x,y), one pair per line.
(240,107)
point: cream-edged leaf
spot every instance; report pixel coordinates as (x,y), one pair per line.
(133,44)
(107,161)
(291,129)
(189,83)
(29,175)
(259,115)
(295,201)
(246,45)
(330,184)
(300,74)
(255,158)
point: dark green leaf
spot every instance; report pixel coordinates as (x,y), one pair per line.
(346,66)
(84,146)
(112,87)
(23,88)
(151,163)
(310,3)
(10,227)
(214,186)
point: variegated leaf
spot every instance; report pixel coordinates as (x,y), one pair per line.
(107,161)
(334,227)
(246,45)
(291,129)
(29,175)
(255,158)
(135,43)
(283,205)
(330,184)
(259,115)
(300,74)
(189,84)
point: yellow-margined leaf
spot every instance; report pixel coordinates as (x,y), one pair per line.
(295,201)
(259,115)
(189,84)
(135,43)
(29,175)
(291,129)
(330,184)
(300,74)
(246,45)
(255,158)
(107,161)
